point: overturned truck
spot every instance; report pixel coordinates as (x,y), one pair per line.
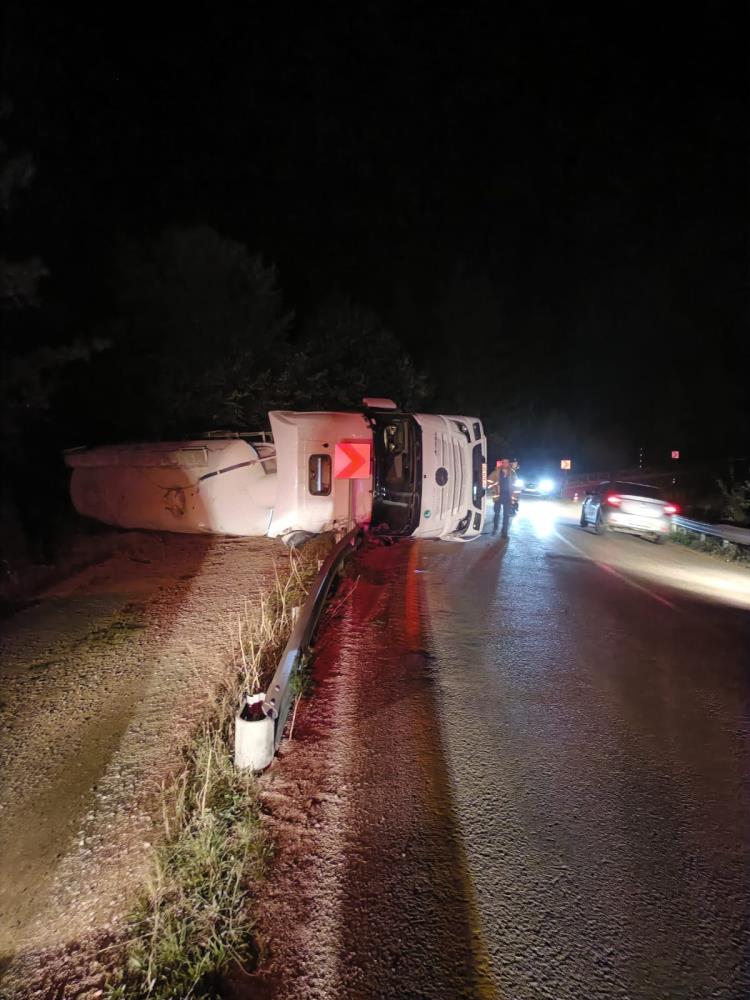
(400,474)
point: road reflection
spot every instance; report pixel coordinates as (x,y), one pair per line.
(726,586)
(542,515)
(669,566)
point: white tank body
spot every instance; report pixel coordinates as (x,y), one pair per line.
(223,486)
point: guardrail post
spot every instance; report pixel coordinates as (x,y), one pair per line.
(253,736)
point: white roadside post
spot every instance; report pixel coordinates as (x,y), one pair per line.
(253,737)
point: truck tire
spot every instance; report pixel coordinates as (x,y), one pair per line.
(296,539)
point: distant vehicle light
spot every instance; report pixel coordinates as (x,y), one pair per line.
(546,485)
(614,500)
(671,508)
(520,483)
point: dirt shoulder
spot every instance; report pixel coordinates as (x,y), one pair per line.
(103,680)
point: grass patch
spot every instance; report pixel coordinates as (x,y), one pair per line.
(729,553)
(194,918)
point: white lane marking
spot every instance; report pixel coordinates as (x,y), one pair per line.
(605,567)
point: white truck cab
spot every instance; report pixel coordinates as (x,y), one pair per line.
(430,474)
(309,497)
(426,473)
(454,474)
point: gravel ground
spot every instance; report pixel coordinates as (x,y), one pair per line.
(103,679)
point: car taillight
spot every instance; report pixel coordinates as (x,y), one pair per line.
(671,508)
(614,500)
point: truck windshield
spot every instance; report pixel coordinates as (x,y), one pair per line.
(398,473)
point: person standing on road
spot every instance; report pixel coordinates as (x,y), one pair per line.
(503,497)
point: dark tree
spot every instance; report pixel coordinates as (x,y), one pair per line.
(199,328)
(31,370)
(345,352)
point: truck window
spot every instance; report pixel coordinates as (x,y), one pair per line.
(462,428)
(319,475)
(477,476)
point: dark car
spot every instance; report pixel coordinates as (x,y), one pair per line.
(631,507)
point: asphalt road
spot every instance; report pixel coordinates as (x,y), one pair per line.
(525,774)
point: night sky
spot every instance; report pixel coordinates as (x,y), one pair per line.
(549,209)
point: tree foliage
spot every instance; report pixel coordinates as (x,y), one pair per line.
(19,279)
(204,341)
(30,371)
(736,500)
(345,352)
(199,324)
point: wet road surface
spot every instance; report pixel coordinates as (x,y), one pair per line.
(525,773)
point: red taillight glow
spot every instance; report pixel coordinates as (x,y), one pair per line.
(614,500)
(671,508)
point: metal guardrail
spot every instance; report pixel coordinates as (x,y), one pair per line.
(726,532)
(280,693)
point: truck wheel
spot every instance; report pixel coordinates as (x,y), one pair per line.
(296,539)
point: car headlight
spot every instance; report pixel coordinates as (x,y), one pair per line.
(520,483)
(546,485)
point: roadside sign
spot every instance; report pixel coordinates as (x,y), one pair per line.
(566,463)
(351,460)
(675,454)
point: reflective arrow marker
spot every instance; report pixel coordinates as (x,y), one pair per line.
(351,460)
